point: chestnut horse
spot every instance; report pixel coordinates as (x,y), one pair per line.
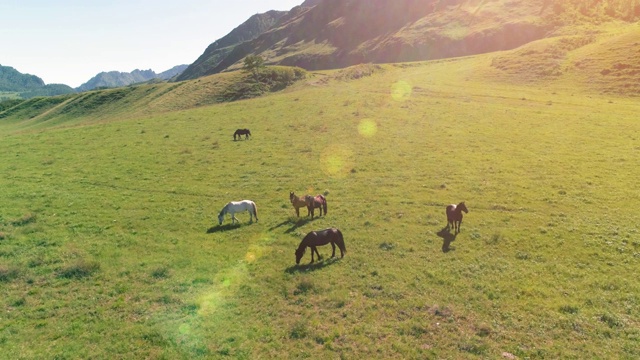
(454,215)
(297,202)
(331,236)
(316,202)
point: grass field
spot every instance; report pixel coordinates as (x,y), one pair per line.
(110,248)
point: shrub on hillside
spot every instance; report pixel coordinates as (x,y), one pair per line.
(263,80)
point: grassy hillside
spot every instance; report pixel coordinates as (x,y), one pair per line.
(109,246)
(340,33)
(144,100)
(601,59)
(215,52)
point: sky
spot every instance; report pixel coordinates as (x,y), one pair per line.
(71,41)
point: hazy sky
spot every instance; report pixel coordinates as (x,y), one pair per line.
(70,41)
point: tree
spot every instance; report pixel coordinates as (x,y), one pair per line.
(253,63)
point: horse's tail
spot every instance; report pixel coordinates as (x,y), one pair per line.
(324,204)
(340,241)
(255,210)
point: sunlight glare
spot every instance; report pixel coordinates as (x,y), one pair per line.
(337,160)
(401,90)
(367,128)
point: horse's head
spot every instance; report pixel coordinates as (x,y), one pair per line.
(220,218)
(463,207)
(299,253)
(292,196)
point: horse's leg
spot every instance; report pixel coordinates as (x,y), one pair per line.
(313,248)
(297,211)
(317,253)
(333,249)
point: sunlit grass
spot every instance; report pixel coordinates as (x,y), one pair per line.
(109,244)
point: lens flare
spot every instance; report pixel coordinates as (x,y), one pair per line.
(367,128)
(337,160)
(250,257)
(255,252)
(209,303)
(401,91)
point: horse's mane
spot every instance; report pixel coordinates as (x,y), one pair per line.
(224,210)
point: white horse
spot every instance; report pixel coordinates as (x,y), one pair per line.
(236,207)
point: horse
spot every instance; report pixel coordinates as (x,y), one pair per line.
(234,207)
(241,132)
(318,201)
(297,202)
(454,215)
(331,236)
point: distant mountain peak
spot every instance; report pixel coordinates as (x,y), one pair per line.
(27,86)
(112,79)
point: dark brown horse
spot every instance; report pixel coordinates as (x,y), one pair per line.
(297,202)
(316,202)
(241,132)
(331,236)
(454,215)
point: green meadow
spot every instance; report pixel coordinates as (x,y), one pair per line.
(110,246)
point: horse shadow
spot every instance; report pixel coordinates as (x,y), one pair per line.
(294,224)
(320,264)
(447,239)
(226,227)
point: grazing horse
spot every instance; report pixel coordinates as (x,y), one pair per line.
(316,202)
(241,132)
(454,215)
(331,236)
(234,207)
(297,202)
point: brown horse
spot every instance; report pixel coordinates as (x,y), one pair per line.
(297,202)
(316,202)
(331,236)
(241,132)
(454,215)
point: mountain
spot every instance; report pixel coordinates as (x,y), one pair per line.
(215,52)
(28,86)
(113,79)
(174,71)
(325,34)
(12,80)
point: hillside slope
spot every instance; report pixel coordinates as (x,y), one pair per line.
(111,247)
(254,26)
(144,99)
(605,60)
(340,33)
